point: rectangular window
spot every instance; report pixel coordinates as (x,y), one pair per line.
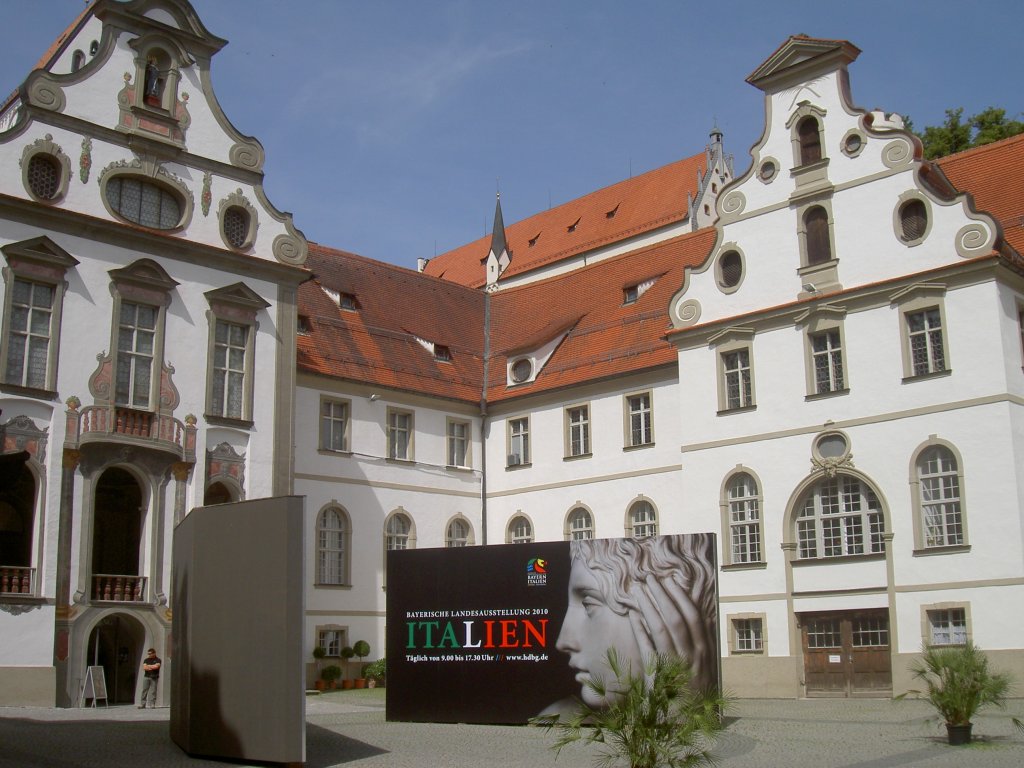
(28,341)
(747,635)
(230,342)
(640,419)
(924,336)
(948,626)
(870,632)
(827,357)
(736,370)
(518,442)
(332,641)
(400,435)
(333,425)
(578,427)
(824,633)
(136,337)
(458,443)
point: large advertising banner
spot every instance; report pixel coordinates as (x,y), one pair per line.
(503,633)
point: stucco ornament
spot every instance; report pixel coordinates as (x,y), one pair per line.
(85,160)
(832,465)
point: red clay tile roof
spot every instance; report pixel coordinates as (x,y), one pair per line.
(376,343)
(640,204)
(605,337)
(994,175)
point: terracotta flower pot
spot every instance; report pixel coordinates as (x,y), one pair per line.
(360,682)
(346,684)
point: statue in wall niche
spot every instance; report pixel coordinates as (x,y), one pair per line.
(153,83)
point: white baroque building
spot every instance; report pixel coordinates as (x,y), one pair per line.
(818,359)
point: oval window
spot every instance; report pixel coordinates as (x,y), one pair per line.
(144,203)
(236,226)
(913,220)
(521,370)
(44,176)
(731,269)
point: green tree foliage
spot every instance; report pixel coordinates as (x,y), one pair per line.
(656,719)
(957,134)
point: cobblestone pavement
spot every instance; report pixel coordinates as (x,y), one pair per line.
(817,733)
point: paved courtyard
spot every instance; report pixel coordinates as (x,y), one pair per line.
(349,730)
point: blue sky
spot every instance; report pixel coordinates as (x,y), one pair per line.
(389,125)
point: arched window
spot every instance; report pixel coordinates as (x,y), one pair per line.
(397,532)
(839,516)
(520,531)
(819,245)
(143,202)
(17,511)
(941,513)
(643,520)
(332,544)
(44,176)
(744,504)
(579,524)
(809,136)
(457,534)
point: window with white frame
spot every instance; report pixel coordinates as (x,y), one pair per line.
(738,382)
(233,327)
(332,641)
(520,530)
(744,504)
(579,524)
(577,426)
(939,486)
(136,342)
(639,420)
(334,425)
(837,517)
(399,434)
(33,302)
(458,443)
(332,533)
(747,635)
(926,347)
(518,441)
(947,626)
(827,360)
(397,532)
(457,533)
(643,520)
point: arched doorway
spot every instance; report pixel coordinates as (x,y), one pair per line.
(17,506)
(218,493)
(116,538)
(116,645)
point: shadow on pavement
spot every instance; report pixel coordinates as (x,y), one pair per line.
(111,744)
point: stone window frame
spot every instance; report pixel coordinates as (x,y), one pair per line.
(927,627)
(238,200)
(450,541)
(627,419)
(46,146)
(724,250)
(898,214)
(346,427)
(914,479)
(725,510)
(451,422)
(512,537)
(143,282)
(733,639)
(38,260)
(822,275)
(584,426)
(814,173)
(768,169)
(846,144)
(147,171)
(345,549)
(526,456)
(812,323)
(409,537)
(728,341)
(568,530)
(342,631)
(809,486)
(392,430)
(921,297)
(239,305)
(630,521)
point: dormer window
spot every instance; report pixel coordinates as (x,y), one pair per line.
(533,240)
(611,214)
(347,302)
(572,227)
(521,370)
(442,353)
(305,325)
(631,294)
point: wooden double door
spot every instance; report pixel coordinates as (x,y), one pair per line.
(847,653)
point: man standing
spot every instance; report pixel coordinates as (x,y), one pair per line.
(151,670)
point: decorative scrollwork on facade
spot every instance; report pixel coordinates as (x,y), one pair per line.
(973,239)
(290,249)
(897,153)
(687,313)
(833,465)
(734,203)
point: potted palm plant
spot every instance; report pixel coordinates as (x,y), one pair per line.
(362,650)
(958,682)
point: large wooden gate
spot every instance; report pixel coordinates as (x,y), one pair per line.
(847,653)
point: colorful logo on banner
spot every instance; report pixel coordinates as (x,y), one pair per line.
(537,572)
